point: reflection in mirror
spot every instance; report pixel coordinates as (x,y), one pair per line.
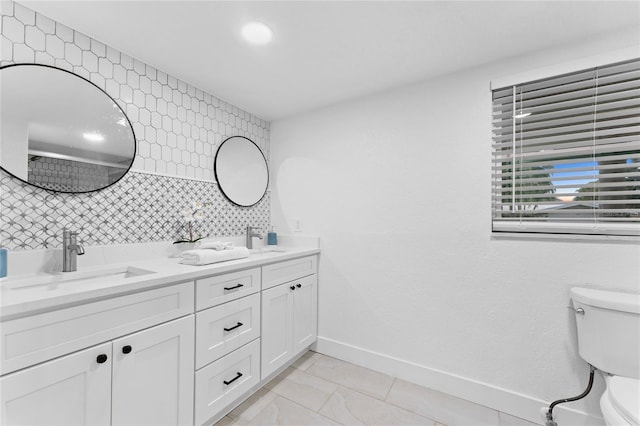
(241,171)
(61,132)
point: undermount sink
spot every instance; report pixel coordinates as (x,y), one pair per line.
(79,277)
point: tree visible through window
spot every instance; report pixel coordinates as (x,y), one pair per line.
(566,153)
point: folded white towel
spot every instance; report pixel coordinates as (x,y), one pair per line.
(207,256)
(217,245)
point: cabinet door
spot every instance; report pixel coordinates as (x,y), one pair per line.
(153,375)
(72,390)
(305,315)
(277,305)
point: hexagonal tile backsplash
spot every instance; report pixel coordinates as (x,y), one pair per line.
(178,129)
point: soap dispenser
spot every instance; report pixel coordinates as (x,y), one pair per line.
(272,237)
(3,262)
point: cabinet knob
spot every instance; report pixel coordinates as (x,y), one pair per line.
(126,349)
(293,287)
(102,358)
(298,285)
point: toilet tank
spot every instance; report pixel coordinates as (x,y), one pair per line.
(609,330)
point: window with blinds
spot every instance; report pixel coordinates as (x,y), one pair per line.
(566,153)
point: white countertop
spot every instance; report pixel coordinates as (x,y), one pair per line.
(19,296)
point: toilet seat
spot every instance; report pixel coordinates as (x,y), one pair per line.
(621,401)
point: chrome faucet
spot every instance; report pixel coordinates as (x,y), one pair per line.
(251,234)
(70,250)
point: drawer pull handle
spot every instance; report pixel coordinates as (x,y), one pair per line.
(102,358)
(234,327)
(293,287)
(298,285)
(126,349)
(232,380)
(234,287)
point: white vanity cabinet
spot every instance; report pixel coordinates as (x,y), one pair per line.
(141,378)
(177,353)
(289,312)
(227,340)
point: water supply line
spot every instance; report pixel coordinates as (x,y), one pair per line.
(550,421)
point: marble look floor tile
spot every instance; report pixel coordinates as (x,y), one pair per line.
(509,420)
(306,360)
(305,389)
(227,421)
(283,412)
(352,376)
(253,405)
(441,407)
(349,407)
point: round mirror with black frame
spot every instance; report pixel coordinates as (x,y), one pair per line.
(241,171)
(61,132)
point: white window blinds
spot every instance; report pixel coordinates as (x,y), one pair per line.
(566,153)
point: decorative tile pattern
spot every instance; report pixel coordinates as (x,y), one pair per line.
(66,175)
(178,130)
(139,208)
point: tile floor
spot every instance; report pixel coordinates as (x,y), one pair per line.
(320,390)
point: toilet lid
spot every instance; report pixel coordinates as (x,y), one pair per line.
(624,394)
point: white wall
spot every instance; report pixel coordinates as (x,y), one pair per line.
(397,185)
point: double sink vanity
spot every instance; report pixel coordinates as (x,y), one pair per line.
(133,337)
(152,341)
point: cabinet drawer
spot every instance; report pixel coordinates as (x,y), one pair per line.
(221,382)
(219,289)
(282,272)
(226,327)
(27,341)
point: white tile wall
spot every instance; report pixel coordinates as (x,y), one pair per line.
(178,127)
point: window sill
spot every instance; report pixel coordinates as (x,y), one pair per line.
(577,238)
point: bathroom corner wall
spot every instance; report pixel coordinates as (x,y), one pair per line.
(398,184)
(178,130)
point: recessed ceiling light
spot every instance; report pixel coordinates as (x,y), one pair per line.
(257,33)
(93,137)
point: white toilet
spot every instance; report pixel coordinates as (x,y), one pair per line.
(608,325)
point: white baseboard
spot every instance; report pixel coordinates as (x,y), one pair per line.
(503,400)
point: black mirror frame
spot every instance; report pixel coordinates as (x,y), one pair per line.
(135,140)
(215,171)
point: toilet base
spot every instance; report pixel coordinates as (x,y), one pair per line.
(609,413)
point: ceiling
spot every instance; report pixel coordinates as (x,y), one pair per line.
(324,52)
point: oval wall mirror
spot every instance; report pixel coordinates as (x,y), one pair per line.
(241,171)
(61,132)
